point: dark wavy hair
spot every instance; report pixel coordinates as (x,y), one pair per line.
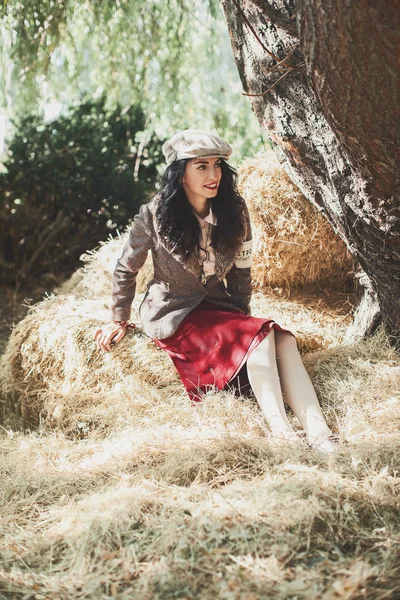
(177,224)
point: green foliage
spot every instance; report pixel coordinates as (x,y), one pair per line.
(69,183)
(173,57)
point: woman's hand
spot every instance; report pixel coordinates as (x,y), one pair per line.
(112,333)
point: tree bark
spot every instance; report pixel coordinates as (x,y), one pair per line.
(334,117)
(367,317)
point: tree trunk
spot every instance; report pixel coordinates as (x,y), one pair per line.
(367,316)
(334,116)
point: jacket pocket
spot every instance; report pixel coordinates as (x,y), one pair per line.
(156,299)
(144,298)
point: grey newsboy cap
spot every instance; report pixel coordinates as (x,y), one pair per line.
(194,143)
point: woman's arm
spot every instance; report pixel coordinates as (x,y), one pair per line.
(239,277)
(133,257)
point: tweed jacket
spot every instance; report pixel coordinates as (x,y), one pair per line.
(176,287)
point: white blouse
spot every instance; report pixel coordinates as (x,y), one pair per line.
(206,233)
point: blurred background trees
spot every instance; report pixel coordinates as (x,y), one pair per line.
(88,93)
(172,57)
(68,183)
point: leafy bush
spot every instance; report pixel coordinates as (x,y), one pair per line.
(68,183)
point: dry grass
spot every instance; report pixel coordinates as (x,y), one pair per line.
(127,491)
(294,242)
(195,502)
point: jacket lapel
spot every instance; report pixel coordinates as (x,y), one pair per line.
(191,264)
(224,260)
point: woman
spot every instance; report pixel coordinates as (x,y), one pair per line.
(197,305)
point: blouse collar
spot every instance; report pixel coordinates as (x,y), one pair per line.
(210,218)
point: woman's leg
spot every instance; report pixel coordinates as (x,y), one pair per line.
(264,379)
(297,388)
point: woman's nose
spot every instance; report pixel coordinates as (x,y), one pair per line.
(214,174)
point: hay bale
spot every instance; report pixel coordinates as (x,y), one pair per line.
(52,371)
(295,245)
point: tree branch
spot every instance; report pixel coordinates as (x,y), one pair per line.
(270,88)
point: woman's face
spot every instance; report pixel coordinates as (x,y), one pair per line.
(202,177)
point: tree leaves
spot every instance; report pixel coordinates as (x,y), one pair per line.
(172,57)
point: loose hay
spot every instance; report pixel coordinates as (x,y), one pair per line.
(295,245)
(158,514)
(175,501)
(126,491)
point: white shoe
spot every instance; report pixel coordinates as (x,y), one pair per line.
(330,445)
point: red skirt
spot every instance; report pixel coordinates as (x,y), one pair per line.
(211,346)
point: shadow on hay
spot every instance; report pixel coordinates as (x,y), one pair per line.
(305,519)
(30,397)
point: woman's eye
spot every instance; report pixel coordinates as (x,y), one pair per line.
(202,167)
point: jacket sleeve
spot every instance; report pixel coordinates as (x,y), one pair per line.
(133,257)
(238,279)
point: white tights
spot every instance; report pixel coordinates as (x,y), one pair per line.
(275,367)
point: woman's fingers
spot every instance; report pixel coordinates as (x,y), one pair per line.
(97,332)
(98,336)
(100,342)
(117,338)
(106,342)
(105,336)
